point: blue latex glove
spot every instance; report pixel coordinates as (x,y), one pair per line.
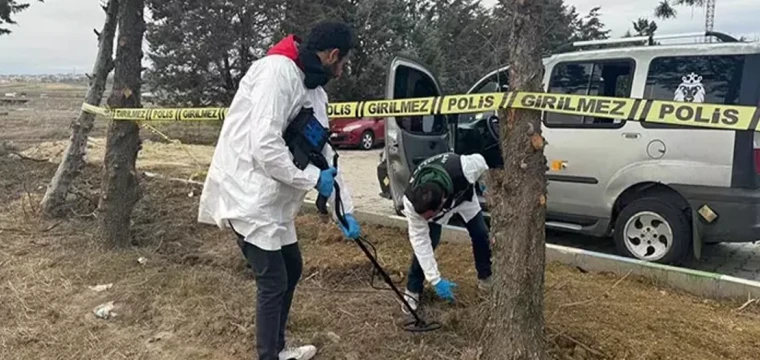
(353,230)
(444,289)
(326,179)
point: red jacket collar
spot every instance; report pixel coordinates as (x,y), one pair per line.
(288,47)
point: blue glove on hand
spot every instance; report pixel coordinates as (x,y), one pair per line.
(444,289)
(353,230)
(326,179)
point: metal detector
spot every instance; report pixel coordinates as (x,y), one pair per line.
(418,324)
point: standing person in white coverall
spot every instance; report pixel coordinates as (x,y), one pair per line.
(440,187)
(253,185)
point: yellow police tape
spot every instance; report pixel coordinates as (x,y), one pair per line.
(159,114)
(717,116)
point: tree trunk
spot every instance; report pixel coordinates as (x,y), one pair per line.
(514,322)
(73,159)
(120,186)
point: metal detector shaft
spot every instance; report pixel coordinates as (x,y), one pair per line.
(387,278)
(322,208)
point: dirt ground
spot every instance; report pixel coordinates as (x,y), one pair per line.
(194,299)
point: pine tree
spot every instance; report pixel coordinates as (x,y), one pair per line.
(9,8)
(120,188)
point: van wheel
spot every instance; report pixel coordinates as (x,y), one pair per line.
(367,141)
(653,230)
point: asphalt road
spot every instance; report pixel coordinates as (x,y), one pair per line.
(740,260)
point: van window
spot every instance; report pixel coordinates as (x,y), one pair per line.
(714,79)
(412,83)
(498,82)
(600,78)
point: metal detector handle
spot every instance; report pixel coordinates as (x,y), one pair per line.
(322,204)
(339,207)
(338,202)
(322,200)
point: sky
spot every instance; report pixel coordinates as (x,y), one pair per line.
(56,36)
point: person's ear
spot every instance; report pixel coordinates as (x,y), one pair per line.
(333,56)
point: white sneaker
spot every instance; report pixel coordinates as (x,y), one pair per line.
(411,298)
(485,285)
(300,353)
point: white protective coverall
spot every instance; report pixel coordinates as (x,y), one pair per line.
(473,166)
(252,182)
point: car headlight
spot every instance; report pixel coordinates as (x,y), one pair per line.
(351,128)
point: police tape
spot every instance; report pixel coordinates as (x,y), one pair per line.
(159,114)
(717,116)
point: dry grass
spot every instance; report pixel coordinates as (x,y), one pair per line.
(194,299)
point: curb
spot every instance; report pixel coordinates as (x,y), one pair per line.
(700,283)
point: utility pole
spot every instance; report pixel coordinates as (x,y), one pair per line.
(709,17)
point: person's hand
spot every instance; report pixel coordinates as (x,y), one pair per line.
(353,231)
(444,289)
(326,179)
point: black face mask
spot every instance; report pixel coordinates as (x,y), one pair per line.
(316,73)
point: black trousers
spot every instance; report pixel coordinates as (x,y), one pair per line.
(277,274)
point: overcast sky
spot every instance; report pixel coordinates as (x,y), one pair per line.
(56,36)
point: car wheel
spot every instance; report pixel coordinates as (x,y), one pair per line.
(651,229)
(367,141)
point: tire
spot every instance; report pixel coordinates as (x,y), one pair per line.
(655,230)
(367,141)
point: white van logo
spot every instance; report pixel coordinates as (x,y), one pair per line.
(691,89)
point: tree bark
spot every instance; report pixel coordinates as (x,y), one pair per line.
(120,189)
(514,322)
(73,158)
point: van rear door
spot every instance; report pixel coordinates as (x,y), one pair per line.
(409,140)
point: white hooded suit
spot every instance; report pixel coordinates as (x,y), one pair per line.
(252,182)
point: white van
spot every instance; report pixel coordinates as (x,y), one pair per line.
(659,190)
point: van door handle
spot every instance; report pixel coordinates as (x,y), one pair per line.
(631,136)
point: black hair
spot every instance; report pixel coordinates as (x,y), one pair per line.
(331,35)
(425,197)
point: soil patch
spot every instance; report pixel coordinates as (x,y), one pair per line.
(192,297)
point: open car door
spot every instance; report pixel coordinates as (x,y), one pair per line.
(478,133)
(409,140)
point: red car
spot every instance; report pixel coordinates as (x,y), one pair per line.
(365,133)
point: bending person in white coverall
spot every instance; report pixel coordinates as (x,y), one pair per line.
(440,187)
(253,185)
